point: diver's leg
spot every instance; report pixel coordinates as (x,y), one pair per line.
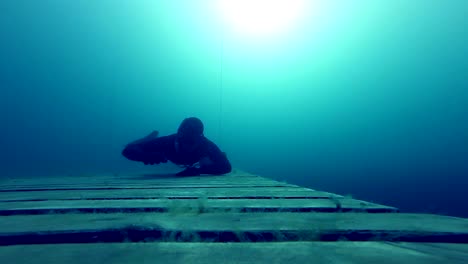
(133,150)
(135,153)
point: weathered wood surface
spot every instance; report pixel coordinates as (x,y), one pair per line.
(174,193)
(193,220)
(290,221)
(146,181)
(208,205)
(227,253)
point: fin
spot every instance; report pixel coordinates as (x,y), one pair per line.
(153,134)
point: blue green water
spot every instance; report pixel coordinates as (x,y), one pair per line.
(367,98)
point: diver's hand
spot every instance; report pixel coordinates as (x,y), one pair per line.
(190,171)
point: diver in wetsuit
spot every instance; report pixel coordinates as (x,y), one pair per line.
(188,147)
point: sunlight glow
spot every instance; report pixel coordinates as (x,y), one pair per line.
(261,18)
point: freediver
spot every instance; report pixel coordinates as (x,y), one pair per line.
(188,147)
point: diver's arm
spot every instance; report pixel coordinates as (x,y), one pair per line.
(215,163)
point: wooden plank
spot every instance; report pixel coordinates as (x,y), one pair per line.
(137,183)
(116,181)
(155,172)
(205,205)
(453,252)
(181,219)
(267,192)
(142,186)
(237,179)
(140,182)
(145,178)
(145,187)
(226,253)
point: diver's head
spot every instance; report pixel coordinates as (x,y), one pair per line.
(190,131)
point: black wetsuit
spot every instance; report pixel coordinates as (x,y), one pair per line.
(161,149)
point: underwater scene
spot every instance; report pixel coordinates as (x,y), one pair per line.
(367,99)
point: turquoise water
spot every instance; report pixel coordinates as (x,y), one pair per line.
(366,98)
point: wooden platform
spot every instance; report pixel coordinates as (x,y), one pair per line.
(235,218)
